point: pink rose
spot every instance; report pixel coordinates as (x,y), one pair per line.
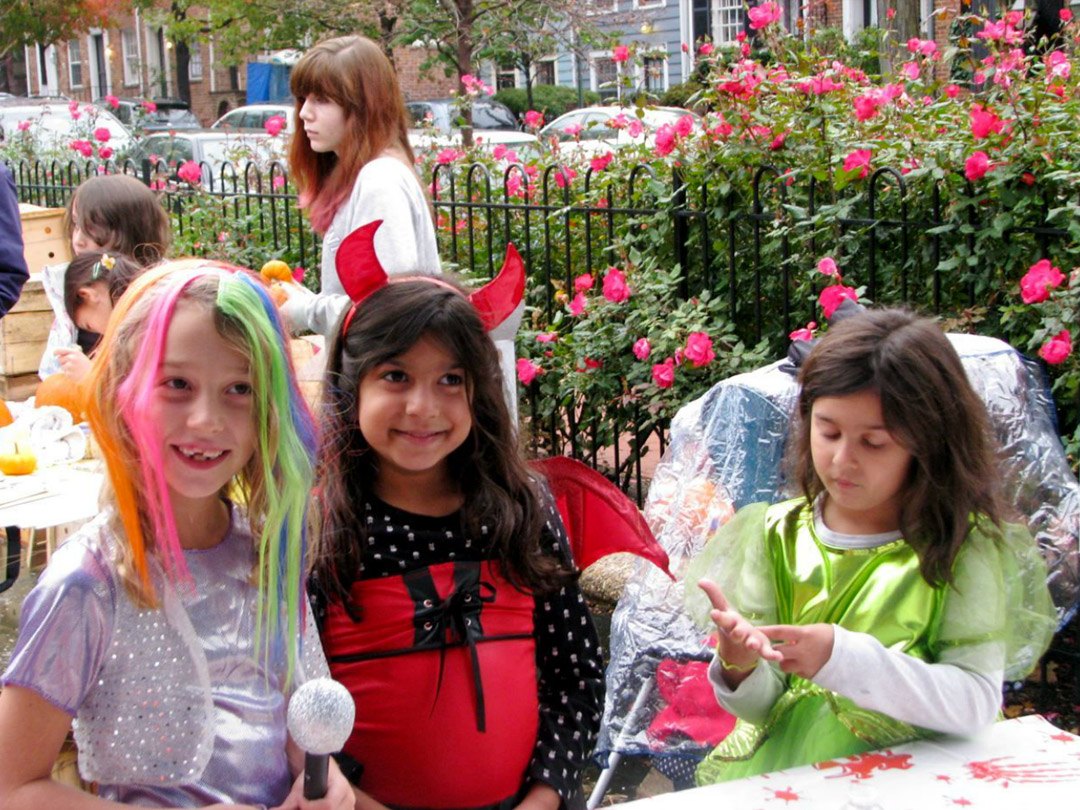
(699,350)
(112,101)
(1039,280)
(449,155)
(866,106)
(806,333)
(705,49)
(642,348)
(578,304)
(858,160)
(190,172)
(911,70)
(684,126)
(1057,348)
(598,164)
(102,135)
(763,15)
(952,90)
(984,122)
(105,152)
(534,119)
(635,127)
(23,126)
(831,297)
(547,337)
(564,175)
(827,266)
(615,287)
(1065,15)
(665,140)
(527,370)
(85,148)
(278,181)
(583,282)
(274,124)
(573,130)
(298,274)
(620,53)
(663,374)
(976,166)
(149,106)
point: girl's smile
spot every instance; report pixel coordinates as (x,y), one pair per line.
(202,406)
(415,411)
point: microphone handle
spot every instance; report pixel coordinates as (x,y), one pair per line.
(316,768)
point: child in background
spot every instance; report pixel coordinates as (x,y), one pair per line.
(93,283)
(114,213)
(442,577)
(352,163)
(890,599)
(170,626)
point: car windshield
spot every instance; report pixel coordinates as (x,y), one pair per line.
(487,116)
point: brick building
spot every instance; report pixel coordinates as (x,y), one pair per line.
(134,59)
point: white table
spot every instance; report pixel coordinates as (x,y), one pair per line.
(55,496)
(1026,764)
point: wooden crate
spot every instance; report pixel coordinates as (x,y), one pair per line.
(24,331)
(17,387)
(44,240)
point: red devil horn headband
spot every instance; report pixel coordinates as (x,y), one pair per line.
(361,274)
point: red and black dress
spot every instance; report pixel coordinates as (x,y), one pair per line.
(467,689)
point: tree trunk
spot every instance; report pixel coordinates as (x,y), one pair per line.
(464,62)
(387,22)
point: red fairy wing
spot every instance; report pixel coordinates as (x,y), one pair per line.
(599,518)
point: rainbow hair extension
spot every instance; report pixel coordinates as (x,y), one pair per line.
(277,480)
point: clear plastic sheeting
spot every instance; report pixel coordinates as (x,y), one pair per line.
(725,452)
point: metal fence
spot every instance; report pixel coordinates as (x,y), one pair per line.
(746,241)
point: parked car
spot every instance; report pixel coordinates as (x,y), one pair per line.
(48,126)
(211,148)
(169,114)
(524,144)
(253,117)
(591,130)
(442,114)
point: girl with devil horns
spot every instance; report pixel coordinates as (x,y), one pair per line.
(442,579)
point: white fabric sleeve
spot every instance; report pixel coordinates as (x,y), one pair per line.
(942,697)
(753,699)
(315,313)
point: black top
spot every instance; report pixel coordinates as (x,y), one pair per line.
(13,271)
(568,657)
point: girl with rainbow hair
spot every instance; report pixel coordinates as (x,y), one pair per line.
(173,627)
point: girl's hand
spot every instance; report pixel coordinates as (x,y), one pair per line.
(740,644)
(339,793)
(73,363)
(803,649)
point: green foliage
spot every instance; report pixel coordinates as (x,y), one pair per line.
(549,99)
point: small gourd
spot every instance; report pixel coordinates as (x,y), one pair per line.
(276,270)
(18,461)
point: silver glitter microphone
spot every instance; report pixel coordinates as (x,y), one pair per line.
(321,715)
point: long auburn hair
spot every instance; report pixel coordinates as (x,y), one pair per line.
(929,407)
(499,490)
(122,215)
(275,483)
(355,74)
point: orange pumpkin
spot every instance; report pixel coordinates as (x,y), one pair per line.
(5,414)
(18,462)
(276,270)
(59,389)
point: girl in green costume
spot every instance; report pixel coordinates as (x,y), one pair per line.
(890,600)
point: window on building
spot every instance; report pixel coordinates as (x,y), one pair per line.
(650,3)
(600,6)
(129,46)
(75,63)
(544,72)
(195,66)
(729,20)
(505,76)
(654,74)
(605,76)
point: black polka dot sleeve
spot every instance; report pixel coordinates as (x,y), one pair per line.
(571,679)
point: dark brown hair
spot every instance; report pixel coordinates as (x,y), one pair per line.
(122,215)
(355,74)
(93,267)
(928,406)
(499,491)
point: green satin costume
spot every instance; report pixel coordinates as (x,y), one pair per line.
(774,569)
